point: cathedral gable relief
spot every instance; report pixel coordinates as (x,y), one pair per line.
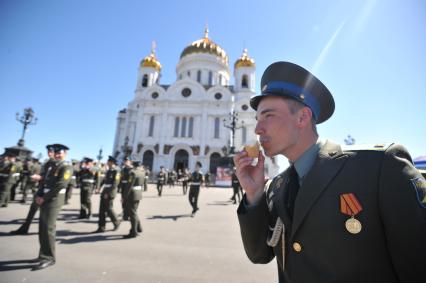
(195,149)
(167,148)
(156,148)
(206,150)
(139,148)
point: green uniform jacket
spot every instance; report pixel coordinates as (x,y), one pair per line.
(8,171)
(196,178)
(389,248)
(56,180)
(110,182)
(132,190)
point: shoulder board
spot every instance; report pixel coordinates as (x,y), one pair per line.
(367,147)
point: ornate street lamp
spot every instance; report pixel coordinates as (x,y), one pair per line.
(26,119)
(349,140)
(231,122)
(100,156)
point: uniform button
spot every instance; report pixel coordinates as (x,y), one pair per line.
(297,247)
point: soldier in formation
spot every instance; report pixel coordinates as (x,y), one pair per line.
(87,180)
(131,194)
(8,177)
(196,179)
(108,190)
(50,197)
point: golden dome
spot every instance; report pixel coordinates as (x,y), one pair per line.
(151,60)
(244,61)
(205,45)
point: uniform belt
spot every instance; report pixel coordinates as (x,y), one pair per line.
(137,188)
(46,190)
(88,181)
(124,181)
(108,186)
(195,183)
(73,177)
(15,175)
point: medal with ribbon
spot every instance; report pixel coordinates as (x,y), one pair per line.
(350,205)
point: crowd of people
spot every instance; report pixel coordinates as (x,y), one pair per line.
(52,183)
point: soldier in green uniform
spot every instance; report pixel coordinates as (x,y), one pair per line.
(236,187)
(196,179)
(8,171)
(50,198)
(108,193)
(38,178)
(185,178)
(87,181)
(161,180)
(74,180)
(334,215)
(131,194)
(19,182)
(31,168)
(145,181)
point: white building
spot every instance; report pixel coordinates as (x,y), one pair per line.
(179,124)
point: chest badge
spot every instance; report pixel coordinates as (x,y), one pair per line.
(349,205)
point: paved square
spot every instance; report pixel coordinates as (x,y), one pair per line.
(173,247)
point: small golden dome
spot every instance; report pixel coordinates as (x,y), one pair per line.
(244,61)
(151,60)
(205,45)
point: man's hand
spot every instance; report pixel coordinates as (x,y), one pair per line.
(39,200)
(252,178)
(35,177)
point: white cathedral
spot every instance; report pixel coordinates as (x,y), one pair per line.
(177,125)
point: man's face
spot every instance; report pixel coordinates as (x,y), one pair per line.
(60,155)
(128,163)
(51,154)
(276,126)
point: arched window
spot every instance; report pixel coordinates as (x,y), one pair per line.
(145,80)
(148,159)
(183,130)
(199,76)
(216,128)
(244,81)
(191,127)
(176,132)
(151,126)
(210,78)
(244,133)
(214,162)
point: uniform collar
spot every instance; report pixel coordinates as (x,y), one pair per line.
(307,160)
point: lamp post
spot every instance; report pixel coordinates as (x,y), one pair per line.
(231,123)
(100,156)
(26,119)
(349,140)
(126,149)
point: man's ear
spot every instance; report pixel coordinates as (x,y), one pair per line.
(305,116)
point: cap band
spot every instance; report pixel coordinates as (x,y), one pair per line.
(296,92)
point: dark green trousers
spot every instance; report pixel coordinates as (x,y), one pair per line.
(86,201)
(132,211)
(47,226)
(106,208)
(5,193)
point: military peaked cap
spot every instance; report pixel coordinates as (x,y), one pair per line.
(57,147)
(289,80)
(112,159)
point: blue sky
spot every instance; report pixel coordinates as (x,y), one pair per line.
(75,62)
